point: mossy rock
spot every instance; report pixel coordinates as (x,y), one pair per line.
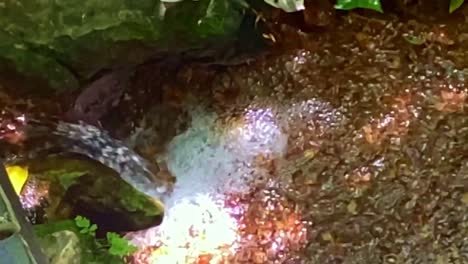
(76,185)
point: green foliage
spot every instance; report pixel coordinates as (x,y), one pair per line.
(94,250)
(287,5)
(85,226)
(193,24)
(43,22)
(51,34)
(30,63)
(376,5)
(455,4)
(119,246)
(415,40)
(67,41)
(114,243)
(351,4)
(43,230)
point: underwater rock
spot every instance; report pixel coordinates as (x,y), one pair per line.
(62,247)
(62,186)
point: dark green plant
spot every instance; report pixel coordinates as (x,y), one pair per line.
(455,4)
(376,5)
(119,246)
(66,42)
(351,4)
(85,226)
(297,5)
(287,5)
(114,244)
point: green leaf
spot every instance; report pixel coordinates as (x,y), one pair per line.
(93,228)
(287,5)
(42,230)
(82,222)
(119,246)
(42,22)
(351,4)
(455,4)
(32,64)
(69,41)
(415,40)
(77,33)
(94,251)
(189,24)
(85,226)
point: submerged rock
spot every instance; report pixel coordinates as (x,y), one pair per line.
(62,247)
(63,186)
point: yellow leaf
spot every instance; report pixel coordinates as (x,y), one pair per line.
(327,236)
(464,198)
(18,176)
(352,207)
(310,153)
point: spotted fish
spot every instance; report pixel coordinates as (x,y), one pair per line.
(41,137)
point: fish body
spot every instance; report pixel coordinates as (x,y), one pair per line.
(30,138)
